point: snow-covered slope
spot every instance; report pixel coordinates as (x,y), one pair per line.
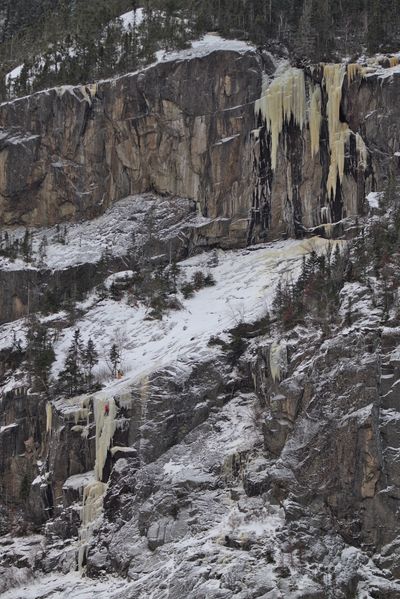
(246,282)
(122,227)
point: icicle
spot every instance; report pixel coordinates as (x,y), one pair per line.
(49,418)
(105,411)
(338,132)
(315,119)
(325,215)
(105,429)
(277,360)
(92,502)
(333,77)
(283,100)
(328,230)
(83,411)
(91,509)
(336,168)
(354,70)
(88,92)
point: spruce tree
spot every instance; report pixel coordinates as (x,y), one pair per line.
(71,378)
(115,358)
(90,358)
(26,246)
(40,354)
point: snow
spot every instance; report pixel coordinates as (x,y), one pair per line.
(70,586)
(79,481)
(226,139)
(206,45)
(386,73)
(172,468)
(374,198)
(41,480)
(120,449)
(11,334)
(132,18)
(192,461)
(112,232)
(245,287)
(14,74)
(118,277)
(8,427)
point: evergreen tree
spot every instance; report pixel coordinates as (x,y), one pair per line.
(115,359)
(90,358)
(42,251)
(40,354)
(26,246)
(71,378)
(63,41)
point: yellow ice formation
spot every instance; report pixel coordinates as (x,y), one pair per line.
(286,99)
(338,132)
(92,502)
(49,418)
(354,70)
(315,119)
(105,429)
(105,411)
(283,100)
(394,61)
(89,91)
(92,507)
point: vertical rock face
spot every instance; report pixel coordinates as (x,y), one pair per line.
(181,128)
(22,438)
(370,106)
(334,432)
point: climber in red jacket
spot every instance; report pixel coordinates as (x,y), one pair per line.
(107,409)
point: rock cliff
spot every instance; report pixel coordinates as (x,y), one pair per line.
(230,456)
(179,128)
(188,127)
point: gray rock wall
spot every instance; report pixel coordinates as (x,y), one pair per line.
(180,128)
(184,128)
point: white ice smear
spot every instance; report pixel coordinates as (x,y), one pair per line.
(374,198)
